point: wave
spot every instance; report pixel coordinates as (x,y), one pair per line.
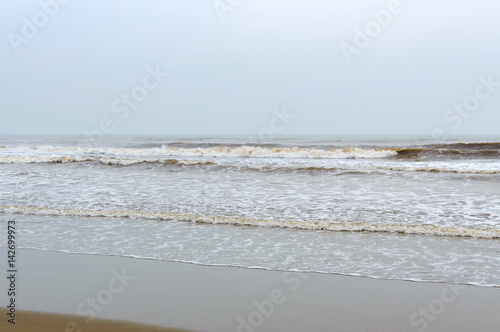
(493,146)
(443,151)
(41,159)
(425,229)
(220,151)
(469,146)
(428,158)
(418,153)
(367,170)
(342,168)
(107,161)
(434,169)
(460,150)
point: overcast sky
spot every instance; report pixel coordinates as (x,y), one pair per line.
(319,67)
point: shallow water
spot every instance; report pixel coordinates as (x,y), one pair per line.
(369,207)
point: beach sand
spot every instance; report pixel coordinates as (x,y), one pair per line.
(47,322)
(209,298)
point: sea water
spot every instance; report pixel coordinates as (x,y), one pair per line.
(393,208)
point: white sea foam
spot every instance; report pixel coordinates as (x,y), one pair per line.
(308,225)
(377,255)
(364,200)
(257,158)
(222,151)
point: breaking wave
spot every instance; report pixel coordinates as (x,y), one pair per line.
(360,168)
(447,158)
(221,151)
(453,151)
(107,161)
(425,229)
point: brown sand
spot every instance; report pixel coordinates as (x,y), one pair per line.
(46,322)
(208,298)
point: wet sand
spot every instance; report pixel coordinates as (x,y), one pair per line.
(208,298)
(47,322)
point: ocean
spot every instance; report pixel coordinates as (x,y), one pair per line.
(401,208)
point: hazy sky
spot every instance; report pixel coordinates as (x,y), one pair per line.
(337,67)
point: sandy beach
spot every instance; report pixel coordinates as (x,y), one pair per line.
(47,322)
(208,298)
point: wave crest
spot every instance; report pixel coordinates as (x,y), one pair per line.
(220,151)
(307,225)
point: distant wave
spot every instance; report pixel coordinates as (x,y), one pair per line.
(41,159)
(430,169)
(448,153)
(281,152)
(427,158)
(339,168)
(308,225)
(463,150)
(468,146)
(107,161)
(220,151)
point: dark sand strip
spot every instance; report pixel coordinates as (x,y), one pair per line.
(207,298)
(46,322)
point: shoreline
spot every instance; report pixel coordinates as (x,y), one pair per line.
(215,298)
(270,270)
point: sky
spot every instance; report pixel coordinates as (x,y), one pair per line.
(240,67)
